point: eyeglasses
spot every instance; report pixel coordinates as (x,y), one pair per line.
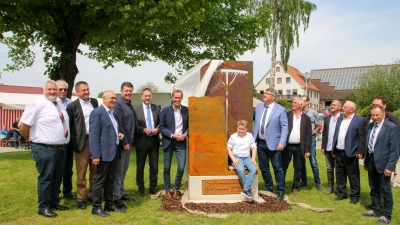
(265,93)
(63,89)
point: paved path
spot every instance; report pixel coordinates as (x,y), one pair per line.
(10,149)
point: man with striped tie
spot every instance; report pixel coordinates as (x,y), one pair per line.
(46,125)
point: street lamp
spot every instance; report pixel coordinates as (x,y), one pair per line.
(307,77)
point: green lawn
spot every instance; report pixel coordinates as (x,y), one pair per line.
(18,204)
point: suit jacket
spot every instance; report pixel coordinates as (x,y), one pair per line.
(140,137)
(386,147)
(123,111)
(103,136)
(167,124)
(77,124)
(325,131)
(305,131)
(276,129)
(354,143)
(389,116)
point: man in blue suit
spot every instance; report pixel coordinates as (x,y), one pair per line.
(174,129)
(104,139)
(270,132)
(381,153)
(348,149)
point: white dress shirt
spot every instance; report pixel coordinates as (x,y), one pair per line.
(270,107)
(294,137)
(87,108)
(343,131)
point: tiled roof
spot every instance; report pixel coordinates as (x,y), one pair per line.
(342,78)
(299,77)
(22,89)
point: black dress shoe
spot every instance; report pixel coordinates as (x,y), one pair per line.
(152,192)
(113,208)
(47,212)
(280,197)
(70,197)
(302,184)
(90,200)
(119,204)
(60,207)
(354,201)
(141,194)
(127,198)
(82,205)
(99,212)
(340,198)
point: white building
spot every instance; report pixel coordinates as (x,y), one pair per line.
(290,84)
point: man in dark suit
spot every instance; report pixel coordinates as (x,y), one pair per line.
(381,154)
(126,121)
(298,141)
(270,132)
(348,149)
(147,140)
(104,140)
(327,142)
(78,112)
(174,129)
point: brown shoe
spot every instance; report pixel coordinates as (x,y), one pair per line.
(295,191)
(168,195)
(176,194)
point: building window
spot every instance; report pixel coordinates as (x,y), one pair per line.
(288,92)
(279,81)
(278,69)
(294,91)
(280,92)
(261,92)
(267,80)
(288,80)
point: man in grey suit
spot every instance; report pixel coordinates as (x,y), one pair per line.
(78,112)
(104,140)
(147,140)
(380,156)
(270,132)
(126,121)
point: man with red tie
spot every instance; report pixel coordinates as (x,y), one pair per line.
(46,125)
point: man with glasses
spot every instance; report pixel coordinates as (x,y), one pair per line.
(348,148)
(313,158)
(67,178)
(327,143)
(270,133)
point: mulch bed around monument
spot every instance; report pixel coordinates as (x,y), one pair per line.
(270,205)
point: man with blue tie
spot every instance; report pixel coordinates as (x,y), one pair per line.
(147,140)
(104,139)
(348,149)
(381,153)
(270,132)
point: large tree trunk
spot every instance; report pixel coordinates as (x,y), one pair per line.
(67,69)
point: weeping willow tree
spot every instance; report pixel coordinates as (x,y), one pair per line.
(288,16)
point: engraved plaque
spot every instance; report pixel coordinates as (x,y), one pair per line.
(221,187)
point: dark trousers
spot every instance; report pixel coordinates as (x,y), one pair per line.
(67,178)
(150,148)
(379,184)
(105,175)
(330,168)
(287,153)
(347,167)
(50,164)
(264,156)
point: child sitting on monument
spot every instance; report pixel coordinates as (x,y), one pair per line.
(239,146)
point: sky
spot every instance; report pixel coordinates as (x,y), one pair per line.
(341,33)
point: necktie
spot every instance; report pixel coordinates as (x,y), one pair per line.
(263,120)
(62,120)
(149,125)
(371,140)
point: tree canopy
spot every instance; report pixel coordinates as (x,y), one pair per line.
(379,81)
(153,87)
(132,31)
